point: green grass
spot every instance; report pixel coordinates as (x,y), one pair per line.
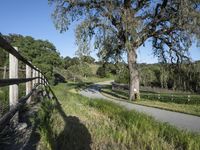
(178,98)
(80,123)
(193,99)
(95,79)
(4,102)
(193,109)
(184,108)
(4,97)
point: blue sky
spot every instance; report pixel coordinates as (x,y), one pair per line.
(33,18)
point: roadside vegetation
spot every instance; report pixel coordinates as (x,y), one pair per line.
(177,78)
(80,123)
(46,57)
(177,102)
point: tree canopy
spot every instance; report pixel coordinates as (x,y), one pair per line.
(41,53)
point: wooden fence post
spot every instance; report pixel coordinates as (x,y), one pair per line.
(4,72)
(36,75)
(188,98)
(40,75)
(45,81)
(13,89)
(33,75)
(28,84)
(42,79)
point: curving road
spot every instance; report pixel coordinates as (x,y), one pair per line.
(179,120)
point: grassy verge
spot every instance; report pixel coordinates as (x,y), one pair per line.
(183,108)
(4,101)
(80,123)
(95,79)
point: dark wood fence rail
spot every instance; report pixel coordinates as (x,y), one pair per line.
(34,79)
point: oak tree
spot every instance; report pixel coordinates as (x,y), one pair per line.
(122,26)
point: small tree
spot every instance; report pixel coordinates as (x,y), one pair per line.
(122,26)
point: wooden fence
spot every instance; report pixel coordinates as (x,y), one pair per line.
(163,95)
(34,78)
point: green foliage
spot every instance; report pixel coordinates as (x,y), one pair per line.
(78,72)
(82,69)
(147,76)
(45,127)
(42,54)
(150,75)
(184,77)
(87,59)
(101,72)
(122,75)
(106,70)
(3,58)
(77,60)
(4,101)
(120,26)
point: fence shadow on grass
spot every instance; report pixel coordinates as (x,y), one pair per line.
(14,138)
(75,135)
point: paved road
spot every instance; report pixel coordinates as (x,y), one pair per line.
(180,120)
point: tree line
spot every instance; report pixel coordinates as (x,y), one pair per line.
(42,54)
(184,77)
(46,57)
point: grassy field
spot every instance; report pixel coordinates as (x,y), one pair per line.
(76,122)
(193,109)
(4,100)
(4,97)
(97,79)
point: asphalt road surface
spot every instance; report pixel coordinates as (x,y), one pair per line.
(179,120)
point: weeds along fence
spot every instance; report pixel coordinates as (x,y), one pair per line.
(34,79)
(147,93)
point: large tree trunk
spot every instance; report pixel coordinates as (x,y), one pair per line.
(134,75)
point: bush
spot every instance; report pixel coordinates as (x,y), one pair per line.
(123,76)
(101,72)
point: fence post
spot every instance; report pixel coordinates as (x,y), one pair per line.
(45,81)
(159,96)
(33,75)
(13,89)
(40,78)
(4,72)
(36,75)
(28,84)
(172,97)
(188,98)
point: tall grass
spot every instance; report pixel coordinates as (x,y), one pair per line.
(168,104)
(81,123)
(4,101)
